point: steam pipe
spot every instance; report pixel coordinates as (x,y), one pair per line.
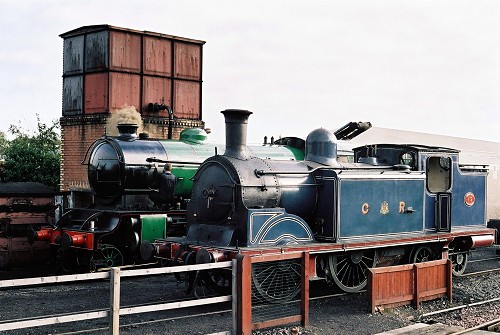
(170,121)
(155,107)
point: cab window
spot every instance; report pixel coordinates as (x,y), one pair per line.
(439,174)
(407,158)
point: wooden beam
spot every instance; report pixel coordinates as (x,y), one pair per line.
(244,297)
(304,294)
(114,304)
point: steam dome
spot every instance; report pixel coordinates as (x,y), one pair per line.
(321,147)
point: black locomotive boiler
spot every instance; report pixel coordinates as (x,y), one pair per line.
(394,204)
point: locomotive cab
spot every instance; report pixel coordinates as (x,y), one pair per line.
(453,192)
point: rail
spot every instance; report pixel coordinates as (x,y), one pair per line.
(114,312)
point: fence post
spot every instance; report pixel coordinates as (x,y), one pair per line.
(304,297)
(114,309)
(244,292)
(234,293)
(417,289)
(449,275)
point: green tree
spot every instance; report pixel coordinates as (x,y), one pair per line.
(34,157)
(3,143)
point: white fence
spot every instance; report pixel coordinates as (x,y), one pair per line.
(114,312)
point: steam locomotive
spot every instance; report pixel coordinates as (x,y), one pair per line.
(394,204)
(122,173)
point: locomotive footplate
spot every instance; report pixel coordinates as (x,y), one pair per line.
(334,261)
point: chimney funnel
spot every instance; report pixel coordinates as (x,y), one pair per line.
(236,132)
(128,131)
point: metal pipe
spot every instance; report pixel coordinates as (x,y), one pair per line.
(262,172)
(170,121)
(158,160)
(459,307)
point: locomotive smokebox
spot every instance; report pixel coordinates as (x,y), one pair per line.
(128,131)
(236,132)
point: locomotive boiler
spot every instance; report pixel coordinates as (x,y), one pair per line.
(122,174)
(394,204)
(126,163)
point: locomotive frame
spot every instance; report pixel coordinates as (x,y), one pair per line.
(395,204)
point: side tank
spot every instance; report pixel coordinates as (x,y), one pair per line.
(126,163)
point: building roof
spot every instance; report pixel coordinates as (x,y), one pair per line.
(103,27)
(25,188)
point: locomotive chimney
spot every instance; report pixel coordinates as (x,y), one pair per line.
(236,132)
(128,131)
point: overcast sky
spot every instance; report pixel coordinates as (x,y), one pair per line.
(422,65)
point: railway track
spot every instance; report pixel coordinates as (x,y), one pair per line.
(493,325)
(477,273)
(482,262)
(485,259)
(451,309)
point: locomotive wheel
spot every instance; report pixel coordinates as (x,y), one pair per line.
(106,257)
(66,261)
(349,270)
(211,283)
(276,282)
(217,280)
(189,278)
(459,263)
(421,254)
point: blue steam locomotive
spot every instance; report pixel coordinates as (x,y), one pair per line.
(394,204)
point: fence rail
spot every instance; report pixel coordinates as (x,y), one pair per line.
(253,305)
(114,312)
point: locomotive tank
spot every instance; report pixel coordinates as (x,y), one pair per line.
(126,163)
(395,204)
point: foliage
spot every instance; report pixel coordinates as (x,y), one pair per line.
(34,157)
(3,142)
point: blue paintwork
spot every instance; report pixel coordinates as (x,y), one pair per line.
(374,192)
(461,214)
(273,226)
(462,183)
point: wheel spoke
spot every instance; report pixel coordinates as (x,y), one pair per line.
(422,254)
(108,256)
(348,271)
(459,263)
(217,281)
(276,283)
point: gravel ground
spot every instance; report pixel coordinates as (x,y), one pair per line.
(339,315)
